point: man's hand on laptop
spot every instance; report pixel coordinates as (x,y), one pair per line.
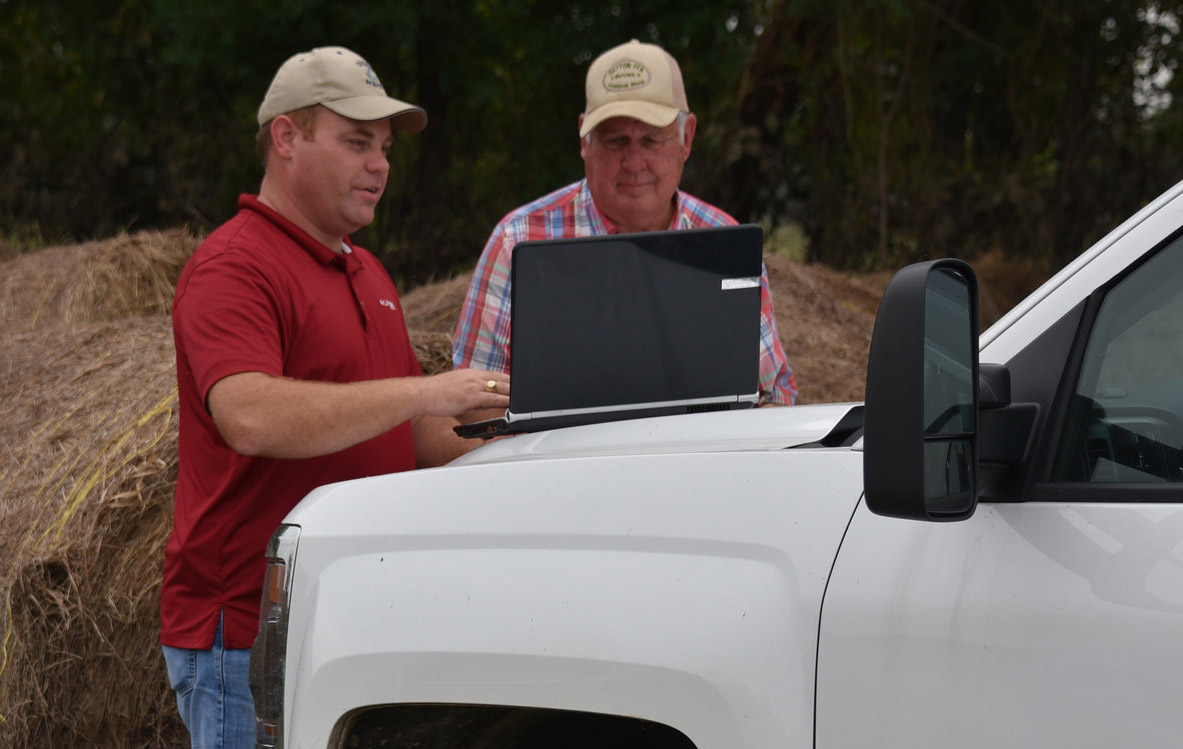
(462,392)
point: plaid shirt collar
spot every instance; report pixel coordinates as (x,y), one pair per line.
(601,224)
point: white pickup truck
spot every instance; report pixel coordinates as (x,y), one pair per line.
(943,566)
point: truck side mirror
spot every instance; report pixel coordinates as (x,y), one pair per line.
(920,416)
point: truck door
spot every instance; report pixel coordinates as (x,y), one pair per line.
(1053,617)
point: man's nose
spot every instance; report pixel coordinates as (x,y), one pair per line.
(633,158)
(378,163)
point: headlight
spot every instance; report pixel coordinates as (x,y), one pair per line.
(269,653)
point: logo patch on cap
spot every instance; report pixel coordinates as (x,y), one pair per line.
(371,76)
(628,75)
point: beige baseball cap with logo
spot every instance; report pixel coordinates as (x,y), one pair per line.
(635,80)
(339,80)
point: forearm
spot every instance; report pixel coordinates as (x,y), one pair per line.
(436,443)
(276,417)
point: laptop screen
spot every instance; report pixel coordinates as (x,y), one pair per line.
(645,318)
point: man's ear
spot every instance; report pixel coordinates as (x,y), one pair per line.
(283,135)
(582,140)
(691,126)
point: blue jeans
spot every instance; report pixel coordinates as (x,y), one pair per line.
(213,694)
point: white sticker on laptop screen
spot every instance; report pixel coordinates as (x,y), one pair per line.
(751,282)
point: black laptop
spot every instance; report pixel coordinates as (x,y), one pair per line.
(630,325)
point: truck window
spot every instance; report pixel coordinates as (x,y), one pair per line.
(1125,420)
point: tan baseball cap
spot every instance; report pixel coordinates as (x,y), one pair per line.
(341,81)
(635,80)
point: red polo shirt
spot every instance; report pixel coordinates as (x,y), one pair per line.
(261,295)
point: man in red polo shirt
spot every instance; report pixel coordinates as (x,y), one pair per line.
(294,369)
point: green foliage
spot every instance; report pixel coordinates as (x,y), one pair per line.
(66,143)
(920,129)
(889,130)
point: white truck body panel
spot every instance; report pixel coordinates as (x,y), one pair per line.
(470,592)
(1028,625)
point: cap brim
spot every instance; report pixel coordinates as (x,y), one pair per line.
(404,117)
(657,115)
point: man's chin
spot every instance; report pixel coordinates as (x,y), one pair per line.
(359,219)
(640,215)
(636,192)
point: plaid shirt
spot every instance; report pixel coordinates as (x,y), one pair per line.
(482,333)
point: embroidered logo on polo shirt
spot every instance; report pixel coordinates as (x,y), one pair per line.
(387,303)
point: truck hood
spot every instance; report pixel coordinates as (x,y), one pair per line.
(667,568)
(753,429)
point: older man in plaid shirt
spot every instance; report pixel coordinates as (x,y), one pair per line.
(636,133)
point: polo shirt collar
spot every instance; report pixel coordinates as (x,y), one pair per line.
(323,254)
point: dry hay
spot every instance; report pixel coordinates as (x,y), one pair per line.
(90,443)
(825,320)
(1004,282)
(128,276)
(436,307)
(89,465)
(826,317)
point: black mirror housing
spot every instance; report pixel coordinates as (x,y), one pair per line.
(920,417)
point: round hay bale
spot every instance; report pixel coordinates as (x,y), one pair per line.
(435,308)
(434,351)
(130,275)
(825,319)
(87,507)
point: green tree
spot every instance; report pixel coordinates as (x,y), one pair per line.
(72,139)
(898,130)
